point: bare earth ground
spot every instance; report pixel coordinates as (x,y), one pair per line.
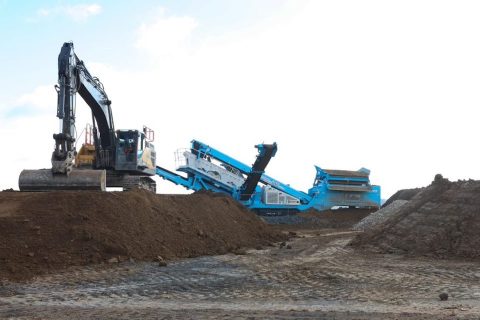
(319,277)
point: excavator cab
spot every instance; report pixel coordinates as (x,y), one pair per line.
(134,153)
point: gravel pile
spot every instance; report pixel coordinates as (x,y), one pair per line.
(404,194)
(379,216)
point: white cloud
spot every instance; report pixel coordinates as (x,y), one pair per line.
(78,13)
(30,121)
(342,85)
(31,144)
(166,35)
(41,98)
(391,87)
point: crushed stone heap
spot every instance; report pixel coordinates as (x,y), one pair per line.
(404,194)
(379,216)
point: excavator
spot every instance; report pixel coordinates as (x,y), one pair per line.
(115,158)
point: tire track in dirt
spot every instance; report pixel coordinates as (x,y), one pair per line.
(319,273)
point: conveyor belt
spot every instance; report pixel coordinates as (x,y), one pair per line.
(267,151)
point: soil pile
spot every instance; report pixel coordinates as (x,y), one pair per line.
(404,194)
(41,232)
(313,219)
(442,220)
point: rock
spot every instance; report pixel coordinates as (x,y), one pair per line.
(240,251)
(443,296)
(283,244)
(31,254)
(439,179)
(161,261)
(288,246)
(113,260)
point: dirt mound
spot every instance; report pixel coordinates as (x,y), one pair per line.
(442,220)
(41,232)
(404,194)
(313,219)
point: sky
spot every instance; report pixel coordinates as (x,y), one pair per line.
(392,86)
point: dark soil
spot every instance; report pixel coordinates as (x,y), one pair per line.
(404,194)
(328,219)
(44,232)
(442,220)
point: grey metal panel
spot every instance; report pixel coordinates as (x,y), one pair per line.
(346,173)
(337,187)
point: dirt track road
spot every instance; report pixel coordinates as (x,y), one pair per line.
(318,277)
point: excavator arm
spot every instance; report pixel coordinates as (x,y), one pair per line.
(74,77)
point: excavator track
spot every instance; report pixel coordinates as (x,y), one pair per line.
(142,182)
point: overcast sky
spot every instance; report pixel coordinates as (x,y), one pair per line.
(393,86)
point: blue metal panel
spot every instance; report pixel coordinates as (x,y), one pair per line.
(173,177)
(205,149)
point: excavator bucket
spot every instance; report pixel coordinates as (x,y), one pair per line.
(78,179)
